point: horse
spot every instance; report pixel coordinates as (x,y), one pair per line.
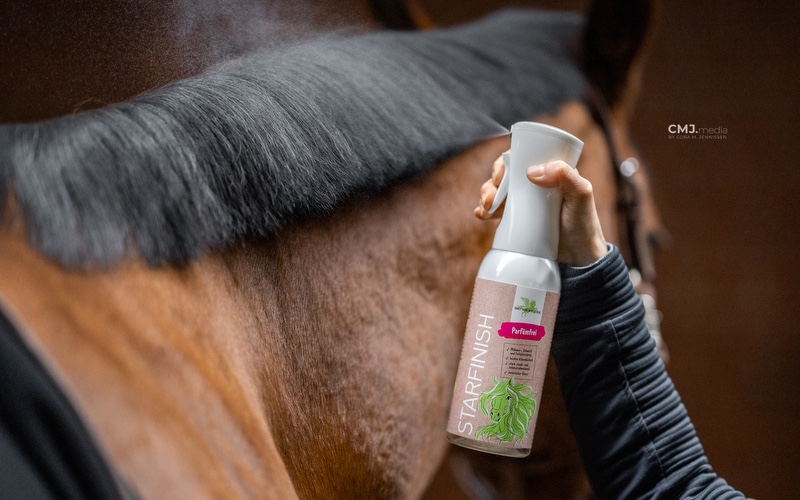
(253,281)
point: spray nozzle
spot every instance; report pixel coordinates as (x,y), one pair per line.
(530,219)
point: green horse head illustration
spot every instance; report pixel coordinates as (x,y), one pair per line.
(511,409)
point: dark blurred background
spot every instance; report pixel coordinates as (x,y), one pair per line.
(728,286)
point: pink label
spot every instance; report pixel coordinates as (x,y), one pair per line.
(521,331)
(499,382)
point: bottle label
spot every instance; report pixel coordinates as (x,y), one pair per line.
(503,362)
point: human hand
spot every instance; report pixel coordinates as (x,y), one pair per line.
(581,240)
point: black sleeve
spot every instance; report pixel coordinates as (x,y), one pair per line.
(45,450)
(634,435)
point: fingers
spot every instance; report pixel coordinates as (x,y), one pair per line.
(498,169)
(489,191)
(582,240)
(558,174)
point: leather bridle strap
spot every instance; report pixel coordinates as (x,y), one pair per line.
(640,258)
(628,193)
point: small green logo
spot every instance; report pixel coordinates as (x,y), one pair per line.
(511,409)
(528,306)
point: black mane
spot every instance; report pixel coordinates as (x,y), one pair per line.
(239,152)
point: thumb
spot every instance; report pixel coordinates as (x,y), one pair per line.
(558,174)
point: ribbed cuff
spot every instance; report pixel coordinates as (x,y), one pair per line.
(593,293)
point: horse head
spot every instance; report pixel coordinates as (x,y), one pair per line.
(511,410)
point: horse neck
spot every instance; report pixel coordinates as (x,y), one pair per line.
(158,363)
(298,362)
(367,324)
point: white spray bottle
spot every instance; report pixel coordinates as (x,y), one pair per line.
(510,327)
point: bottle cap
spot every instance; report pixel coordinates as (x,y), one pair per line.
(530,223)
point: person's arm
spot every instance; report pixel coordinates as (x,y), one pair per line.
(634,435)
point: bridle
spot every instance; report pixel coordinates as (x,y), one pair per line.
(637,249)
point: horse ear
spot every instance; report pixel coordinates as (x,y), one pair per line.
(613,42)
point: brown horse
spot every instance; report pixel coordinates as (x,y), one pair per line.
(312,360)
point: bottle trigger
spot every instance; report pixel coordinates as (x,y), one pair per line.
(502,189)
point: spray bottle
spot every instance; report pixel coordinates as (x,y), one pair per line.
(510,326)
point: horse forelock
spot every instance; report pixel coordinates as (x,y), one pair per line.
(240,151)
